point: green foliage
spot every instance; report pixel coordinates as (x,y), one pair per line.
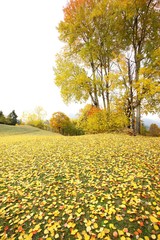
(154,130)
(72,129)
(61,123)
(12,118)
(144,130)
(88,187)
(2,118)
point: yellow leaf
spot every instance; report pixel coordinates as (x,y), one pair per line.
(74,231)
(88,223)
(28,237)
(57,235)
(119,218)
(106,230)
(95,225)
(146,237)
(71,225)
(79,210)
(156,227)
(122,238)
(120,232)
(86,236)
(46,231)
(112,226)
(88,229)
(153,219)
(101,234)
(78,236)
(36,228)
(153,236)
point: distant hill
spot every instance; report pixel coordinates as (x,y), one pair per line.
(24,129)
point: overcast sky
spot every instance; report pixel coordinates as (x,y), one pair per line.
(28,44)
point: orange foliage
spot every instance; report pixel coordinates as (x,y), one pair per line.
(92,111)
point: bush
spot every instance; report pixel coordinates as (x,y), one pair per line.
(154,130)
(144,130)
(96,120)
(62,124)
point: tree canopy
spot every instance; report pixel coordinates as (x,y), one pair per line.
(111,55)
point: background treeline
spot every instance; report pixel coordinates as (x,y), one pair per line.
(11,119)
(92,120)
(111,56)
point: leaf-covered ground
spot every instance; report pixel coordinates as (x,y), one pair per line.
(103,186)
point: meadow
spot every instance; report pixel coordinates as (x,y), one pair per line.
(104,186)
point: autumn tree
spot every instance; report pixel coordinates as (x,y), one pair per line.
(154,130)
(59,121)
(140,36)
(82,32)
(111,52)
(72,78)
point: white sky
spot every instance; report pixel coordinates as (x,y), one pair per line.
(28,44)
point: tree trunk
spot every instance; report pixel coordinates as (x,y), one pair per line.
(96,101)
(138,119)
(107,71)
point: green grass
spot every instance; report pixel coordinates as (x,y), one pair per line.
(104,186)
(8,130)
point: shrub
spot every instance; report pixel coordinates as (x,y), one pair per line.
(154,130)
(96,120)
(62,124)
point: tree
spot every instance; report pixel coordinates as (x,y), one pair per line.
(140,36)
(72,79)
(82,32)
(96,35)
(12,118)
(59,121)
(154,130)
(40,113)
(2,118)
(36,118)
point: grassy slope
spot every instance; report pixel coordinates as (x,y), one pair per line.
(6,130)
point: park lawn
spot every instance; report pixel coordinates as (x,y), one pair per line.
(104,186)
(8,130)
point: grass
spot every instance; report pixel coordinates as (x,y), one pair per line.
(102,186)
(8,130)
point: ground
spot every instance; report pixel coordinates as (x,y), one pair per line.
(104,186)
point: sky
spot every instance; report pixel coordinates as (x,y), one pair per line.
(28,45)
